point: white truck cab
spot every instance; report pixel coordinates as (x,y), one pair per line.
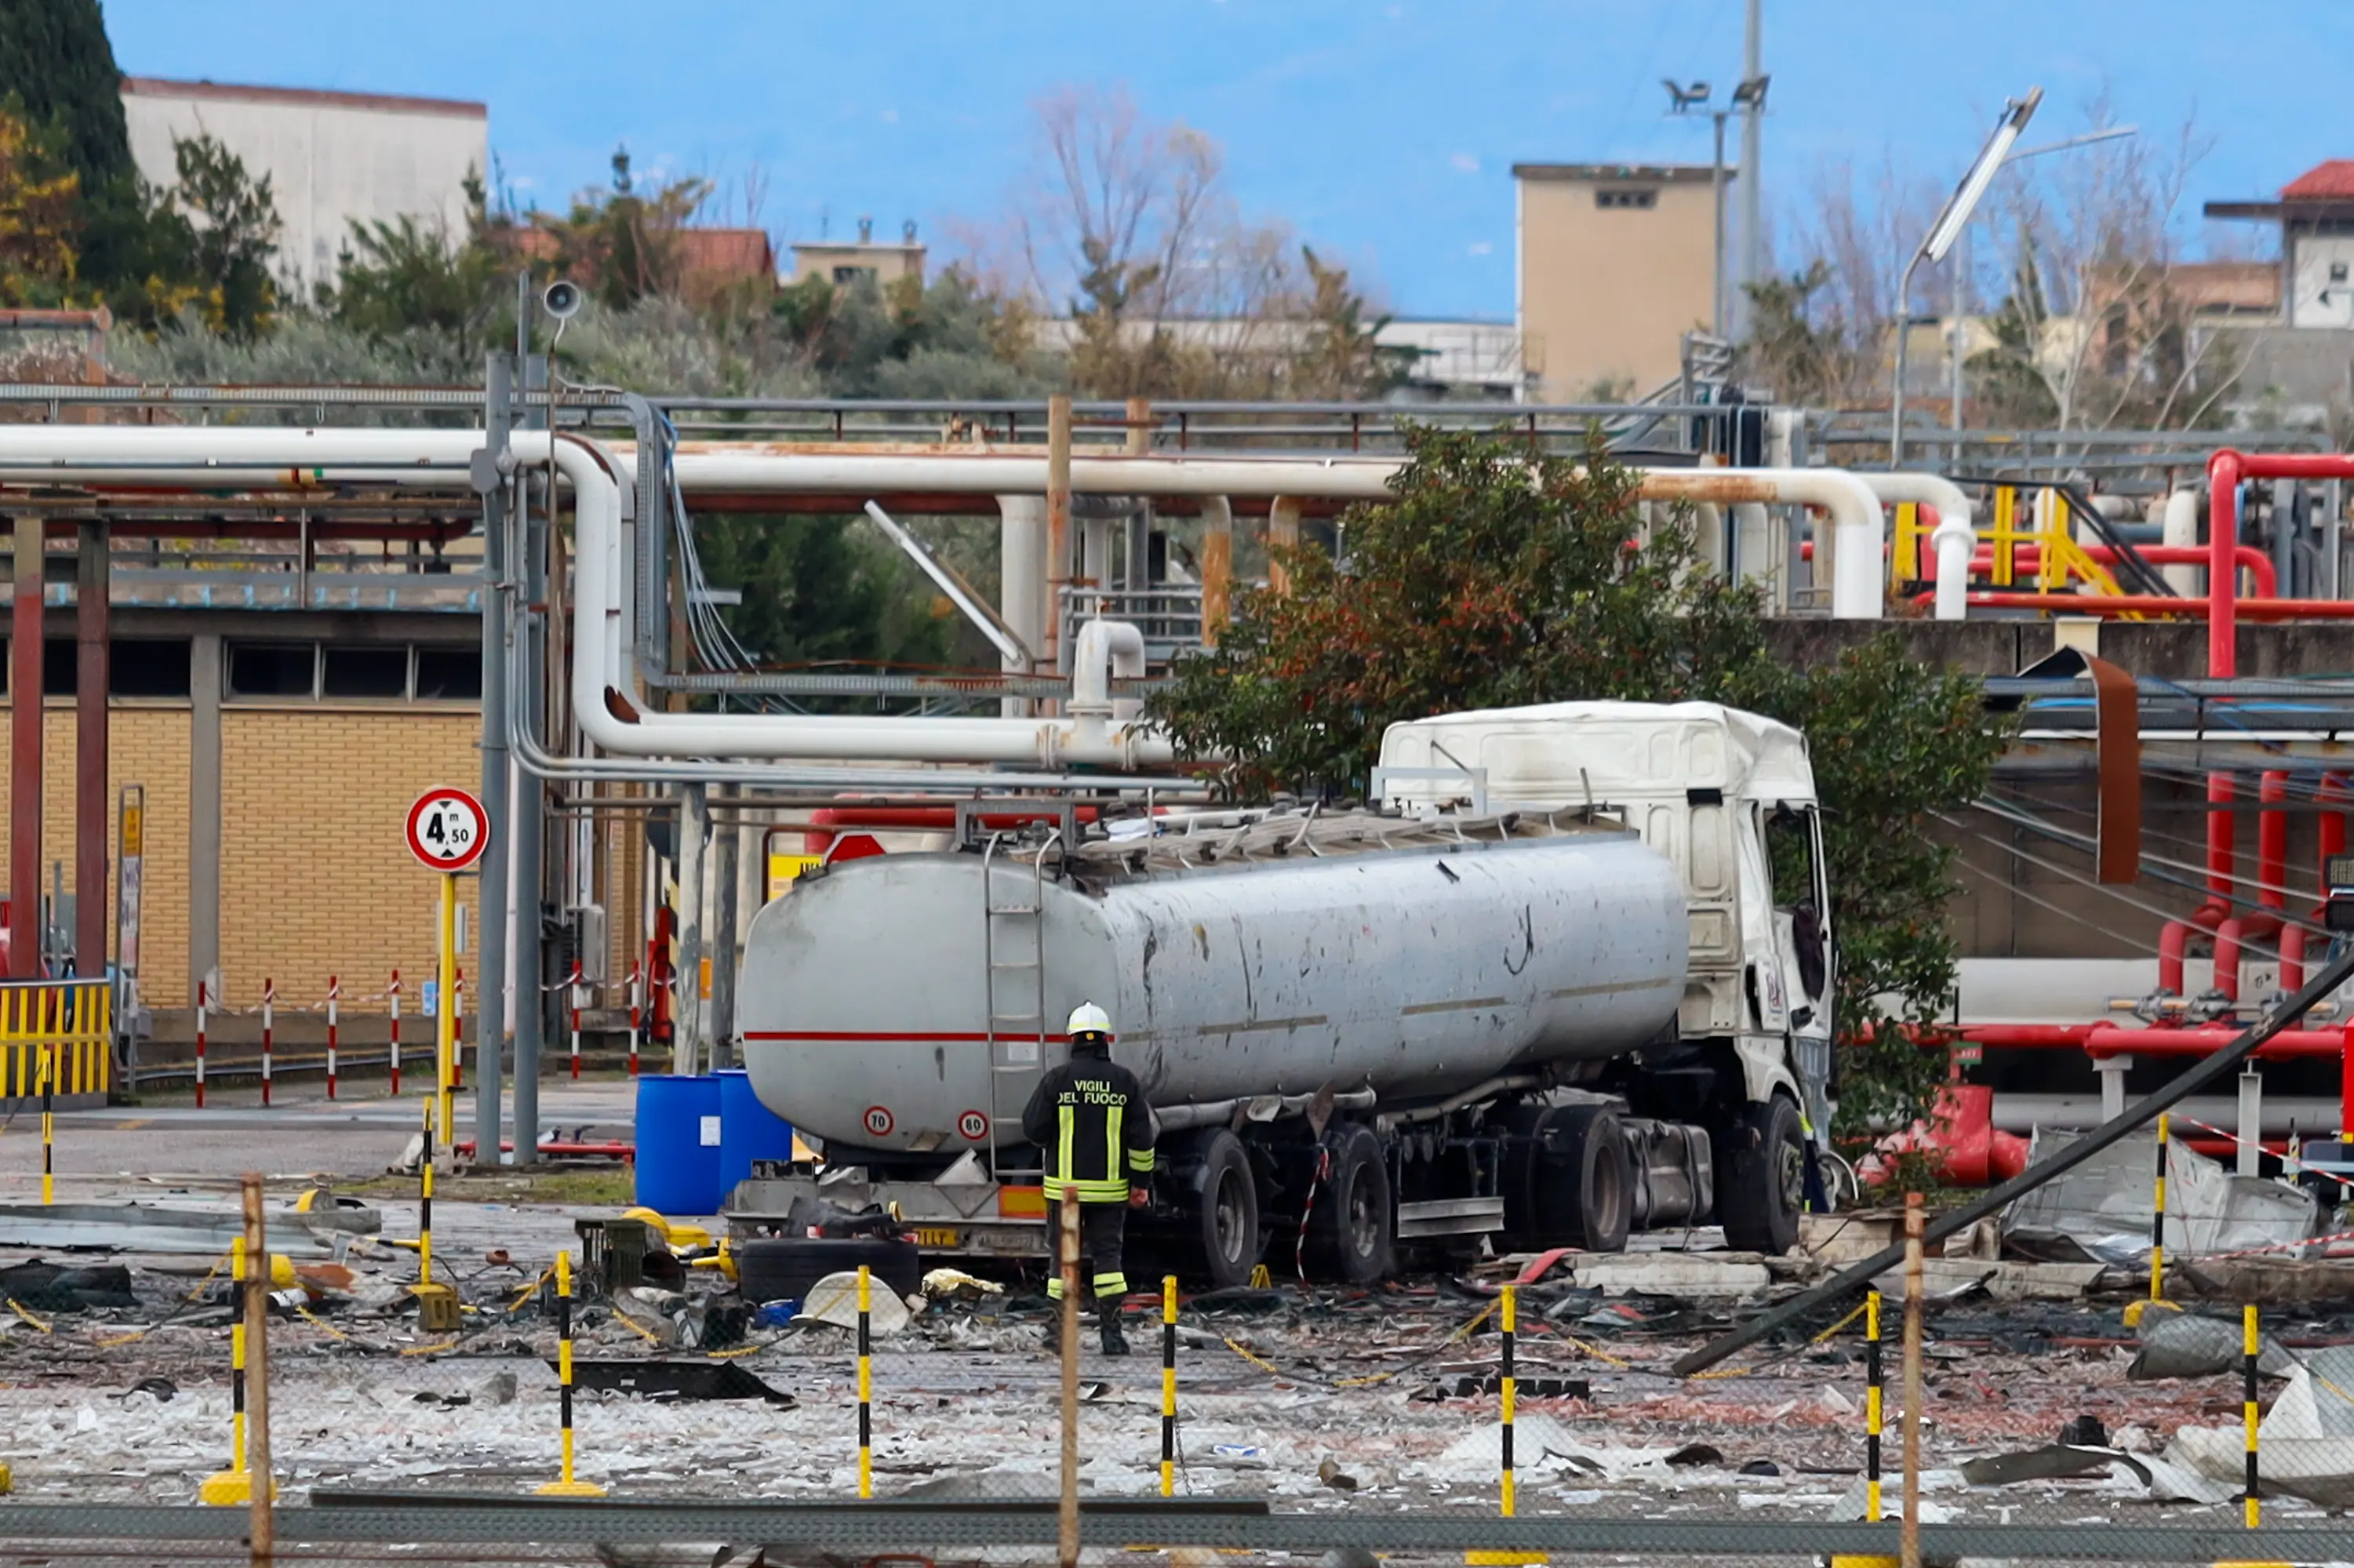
(1728,798)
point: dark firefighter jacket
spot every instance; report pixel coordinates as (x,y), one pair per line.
(1090,1116)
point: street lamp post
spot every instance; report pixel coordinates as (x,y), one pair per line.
(1682,100)
(1942,234)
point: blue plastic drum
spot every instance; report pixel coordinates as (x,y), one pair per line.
(679,1145)
(748,1130)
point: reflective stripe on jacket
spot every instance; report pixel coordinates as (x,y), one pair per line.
(1090,1116)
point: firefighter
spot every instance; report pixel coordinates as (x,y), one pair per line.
(1090,1116)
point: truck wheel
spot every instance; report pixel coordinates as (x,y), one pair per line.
(1761,1176)
(1351,1225)
(1582,1190)
(1229,1212)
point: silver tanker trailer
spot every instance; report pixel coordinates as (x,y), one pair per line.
(1571,977)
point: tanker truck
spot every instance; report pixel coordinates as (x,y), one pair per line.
(1567,977)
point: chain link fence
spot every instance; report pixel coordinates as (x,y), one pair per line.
(1294,1419)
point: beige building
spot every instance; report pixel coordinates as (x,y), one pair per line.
(847,262)
(332,158)
(1615,266)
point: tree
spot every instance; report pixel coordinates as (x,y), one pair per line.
(622,242)
(57,66)
(406,276)
(39,218)
(819,590)
(223,226)
(1490,579)
(1124,227)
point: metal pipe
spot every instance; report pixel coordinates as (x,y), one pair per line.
(25,925)
(90,815)
(2258,566)
(1951,539)
(498,779)
(1058,525)
(1105,651)
(2158,604)
(2225,469)
(2180,527)
(1209,1113)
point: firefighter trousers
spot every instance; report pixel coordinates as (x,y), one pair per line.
(1103,1229)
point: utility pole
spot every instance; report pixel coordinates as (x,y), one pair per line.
(1752,234)
(489,1029)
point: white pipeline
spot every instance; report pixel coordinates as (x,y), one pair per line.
(1953,539)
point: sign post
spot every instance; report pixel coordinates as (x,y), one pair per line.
(448,832)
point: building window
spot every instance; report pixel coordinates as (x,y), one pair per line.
(366,672)
(1610,200)
(273,670)
(148,667)
(847,277)
(448,674)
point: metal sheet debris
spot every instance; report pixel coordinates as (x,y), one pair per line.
(2101,1209)
(164,1228)
(1688,1276)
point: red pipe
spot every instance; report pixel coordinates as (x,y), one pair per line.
(2259,566)
(2271,848)
(2173,947)
(2036,1036)
(933,817)
(2157,604)
(2233,934)
(2225,469)
(2109,1040)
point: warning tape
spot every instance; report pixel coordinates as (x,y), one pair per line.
(2277,1247)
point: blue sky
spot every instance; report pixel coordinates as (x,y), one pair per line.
(1382,132)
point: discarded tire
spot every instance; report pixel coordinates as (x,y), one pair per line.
(783,1268)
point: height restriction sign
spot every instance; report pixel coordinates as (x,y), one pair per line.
(447,829)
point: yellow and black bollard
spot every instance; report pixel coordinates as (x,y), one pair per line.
(425,1205)
(566,1485)
(1169,1385)
(865,1386)
(48,1056)
(233,1487)
(1874,1411)
(2136,1309)
(2249,1346)
(1508,1327)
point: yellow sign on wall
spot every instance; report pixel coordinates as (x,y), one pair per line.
(783,868)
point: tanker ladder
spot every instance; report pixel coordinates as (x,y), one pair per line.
(1013,950)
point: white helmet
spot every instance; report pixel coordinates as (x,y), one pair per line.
(1088,1019)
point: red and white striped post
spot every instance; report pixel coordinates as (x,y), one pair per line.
(635,1019)
(335,996)
(576,1019)
(457,1029)
(203,998)
(392,1061)
(268,1005)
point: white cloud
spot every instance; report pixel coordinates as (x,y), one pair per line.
(1467,162)
(1481,247)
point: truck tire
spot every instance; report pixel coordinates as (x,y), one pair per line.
(1350,1225)
(1227,1219)
(1761,1178)
(1580,1189)
(783,1268)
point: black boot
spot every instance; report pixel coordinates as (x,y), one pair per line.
(1115,1343)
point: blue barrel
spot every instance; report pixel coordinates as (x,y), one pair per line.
(678,1144)
(748,1130)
